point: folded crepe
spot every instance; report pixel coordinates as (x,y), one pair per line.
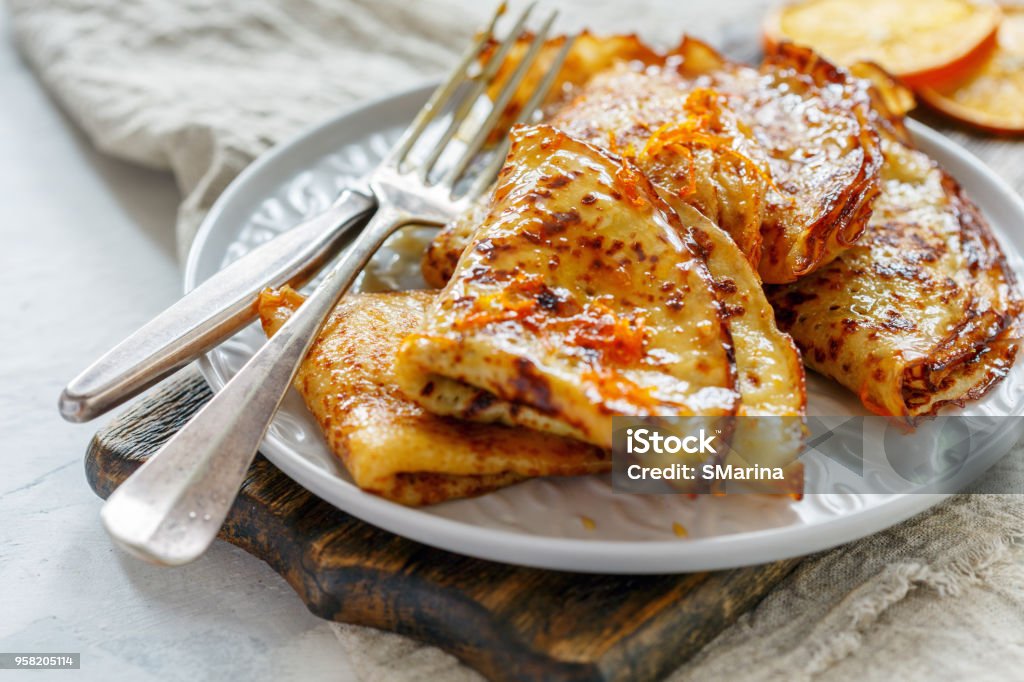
(580,297)
(688,140)
(391,446)
(814,122)
(770,375)
(783,157)
(583,295)
(923,311)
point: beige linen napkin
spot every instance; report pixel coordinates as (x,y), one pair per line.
(202,88)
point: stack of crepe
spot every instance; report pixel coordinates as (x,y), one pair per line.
(627,263)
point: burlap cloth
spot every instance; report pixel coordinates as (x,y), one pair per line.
(202,88)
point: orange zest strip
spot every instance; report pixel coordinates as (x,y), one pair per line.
(701,128)
(630,178)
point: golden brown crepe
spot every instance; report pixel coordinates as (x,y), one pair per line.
(687,140)
(923,311)
(581,297)
(782,157)
(390,445)
(813,121)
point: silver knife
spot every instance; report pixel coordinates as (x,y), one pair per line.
(213,311)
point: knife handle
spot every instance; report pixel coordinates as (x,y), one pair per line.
(211,312)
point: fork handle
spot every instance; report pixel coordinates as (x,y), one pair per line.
(170,509)
(211,312)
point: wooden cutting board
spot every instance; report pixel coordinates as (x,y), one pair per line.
(507,622)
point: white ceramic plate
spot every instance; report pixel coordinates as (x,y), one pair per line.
(574,524)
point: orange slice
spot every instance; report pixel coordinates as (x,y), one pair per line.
(922,42)
(992,97)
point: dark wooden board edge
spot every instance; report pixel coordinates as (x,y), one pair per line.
(507,622)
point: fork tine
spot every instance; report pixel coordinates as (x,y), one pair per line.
(500,102)
(480,83)
(487,175)
(439,98)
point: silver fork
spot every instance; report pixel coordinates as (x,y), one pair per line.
(170,510)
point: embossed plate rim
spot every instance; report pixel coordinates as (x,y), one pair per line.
(239,202)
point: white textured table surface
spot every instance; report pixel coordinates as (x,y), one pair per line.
(88,255)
